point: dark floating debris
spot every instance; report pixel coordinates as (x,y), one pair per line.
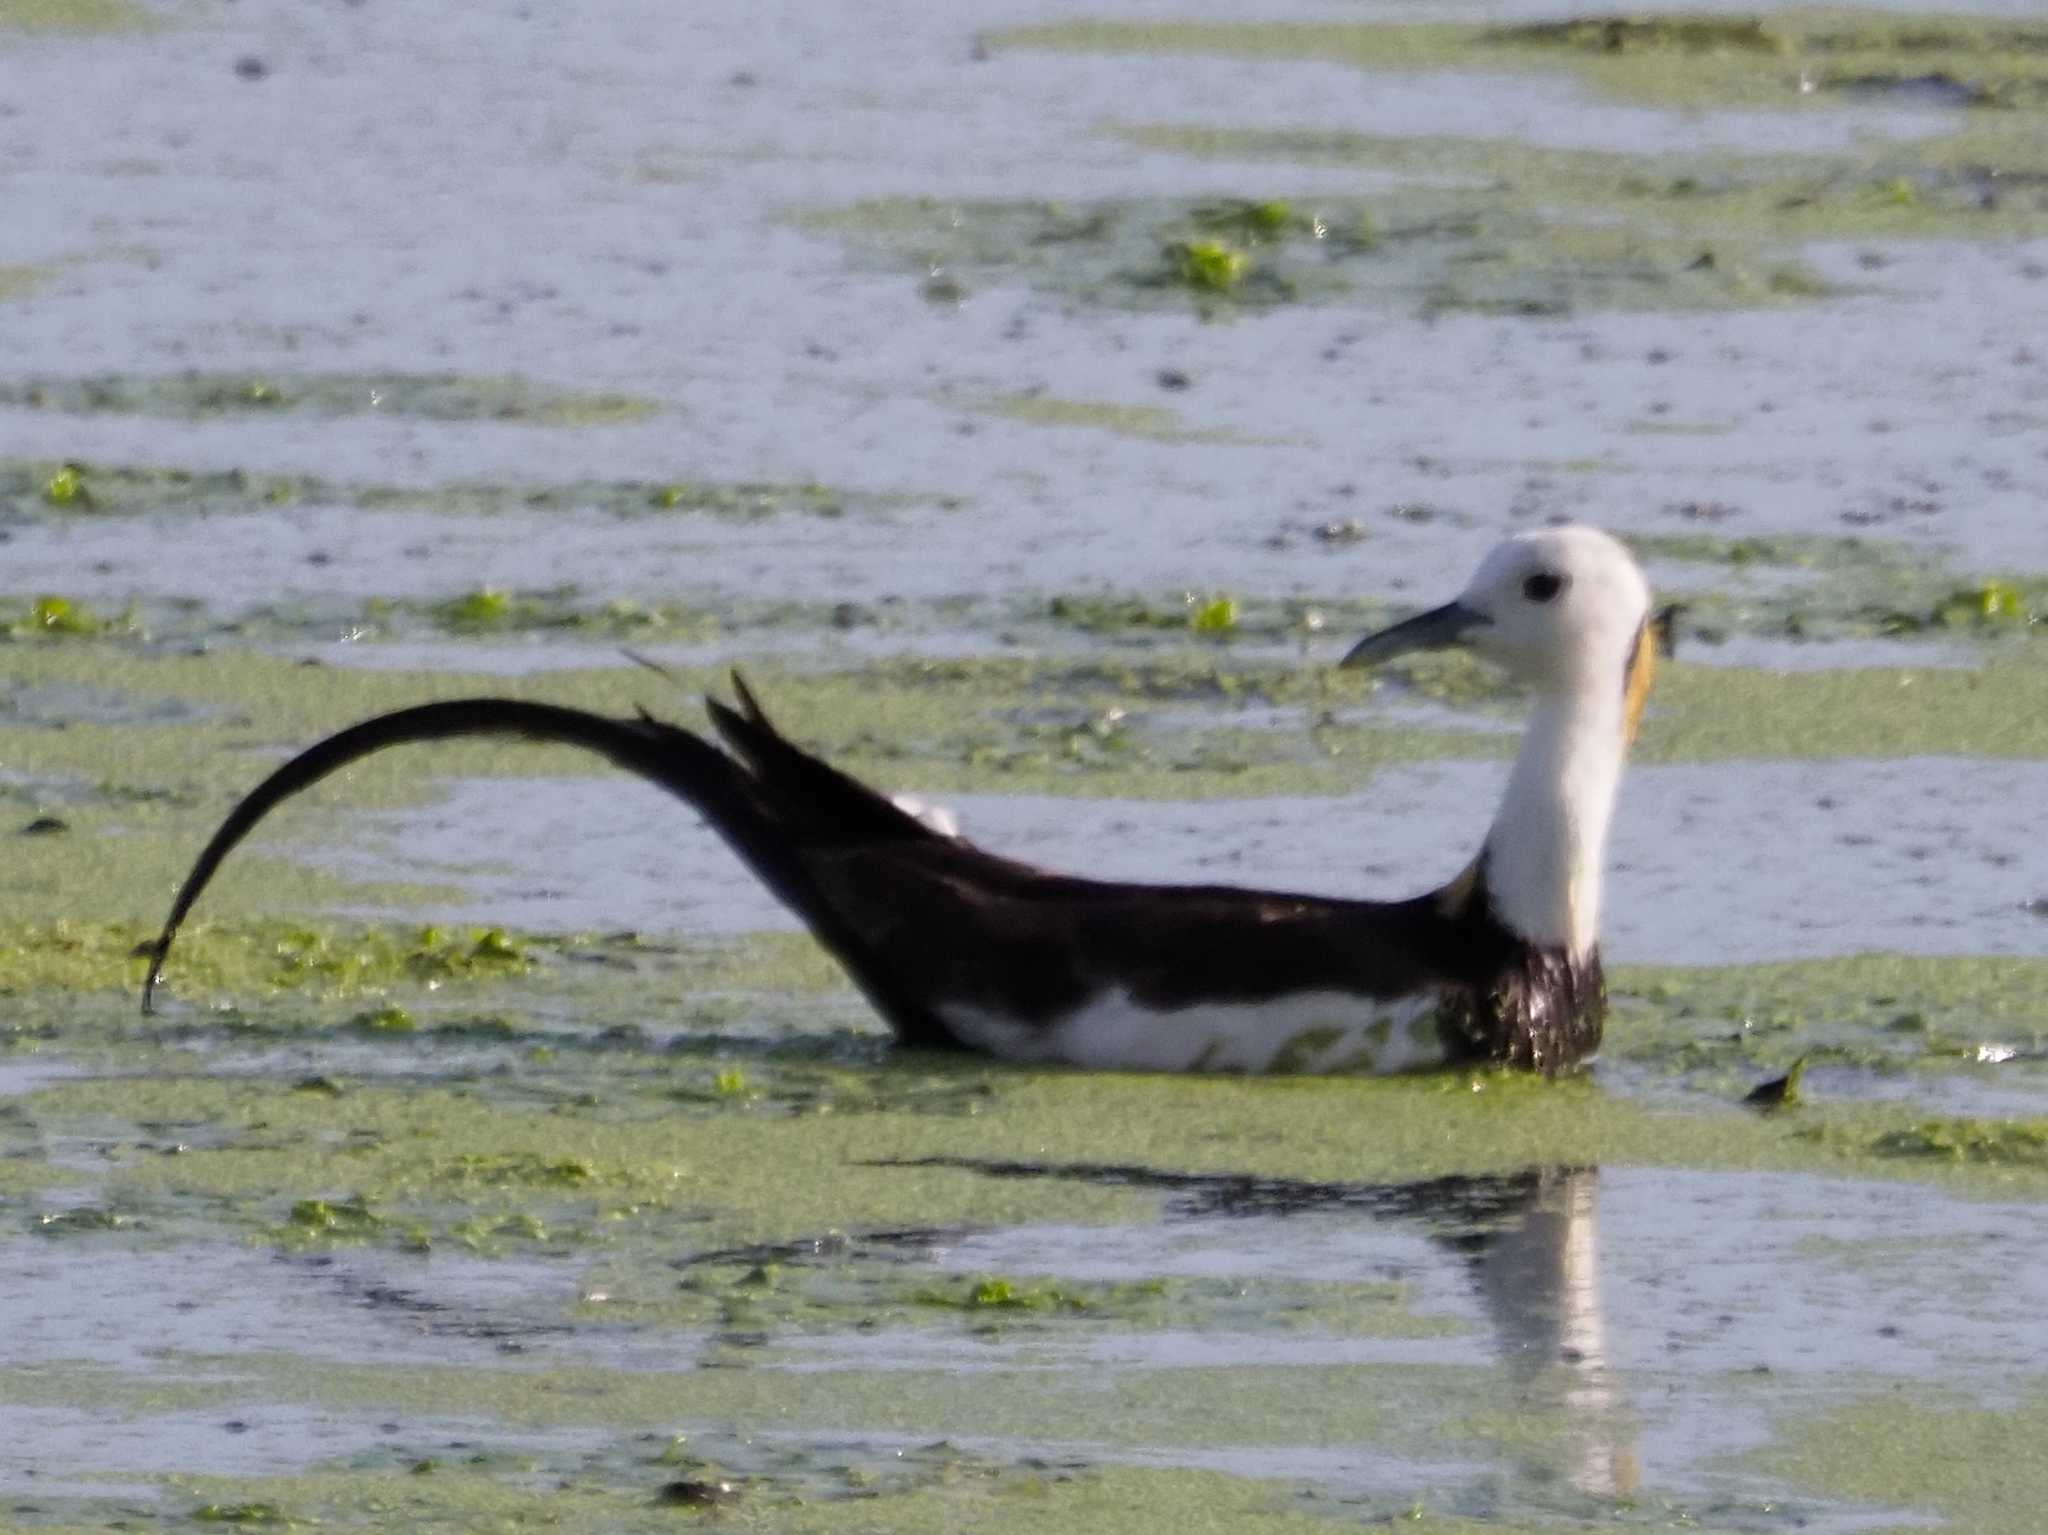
(692,1493)
(1779,1092)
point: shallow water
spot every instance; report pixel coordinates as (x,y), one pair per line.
(573,1231)
(1920,855)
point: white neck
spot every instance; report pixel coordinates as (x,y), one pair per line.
(1546,853)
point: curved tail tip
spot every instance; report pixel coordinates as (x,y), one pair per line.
(155,951)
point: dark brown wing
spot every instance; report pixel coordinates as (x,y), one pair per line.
(964,926)
(919,919)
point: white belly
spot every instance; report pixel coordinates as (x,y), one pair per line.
(1309,1033)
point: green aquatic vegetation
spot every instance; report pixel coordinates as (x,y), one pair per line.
(244,1515)
(1628,34)
(81,1219)
(1671,230)
(1207,266)
(1444,242)
(1790,59)
(488,608)
(1214,615)
(1150,422)
(1991,606)
(1803,550)
(74,16)
(266,956)
(1247,220)
(1928,1449)
(67,487)
(54,617)
(430,397)
(1717,1028)
(996,1294)
(1858,588)
(935,1490)
(346,1218)
(1995,1142)
(27,485)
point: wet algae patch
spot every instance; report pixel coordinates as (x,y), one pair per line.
(1937,1458)
(1921,1023)
(1425,247)
(427,397)
(1738,215)
(49,490)
(848,1489)
(18,281)
(1789,59)
(1809,587)
(1148,423)
(606,1162)
(88,16)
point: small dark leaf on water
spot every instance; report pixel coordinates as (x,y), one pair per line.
(1779,1092)
(697,1494)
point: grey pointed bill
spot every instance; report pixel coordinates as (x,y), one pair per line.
(1434,630)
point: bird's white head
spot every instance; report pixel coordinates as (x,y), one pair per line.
(1563,610)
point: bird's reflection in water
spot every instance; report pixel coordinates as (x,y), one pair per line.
(1538,1273)
(1528,1239)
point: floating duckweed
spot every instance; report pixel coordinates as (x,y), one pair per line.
(492,947)
(432,397)
(518,1168)
(1995,602)
(1208,266)
(1217,615)
(82,1218)
(351,1217)
(389,1019)
(53,616)
(256,1515)
(730,1082)
(1626,34)
(66,487)
(2009,1142)
(485,608)
(991,1293)
(1255,221)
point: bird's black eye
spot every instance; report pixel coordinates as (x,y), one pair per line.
(1543,586)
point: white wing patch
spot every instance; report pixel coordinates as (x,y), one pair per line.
(938,818)
(1311,1033)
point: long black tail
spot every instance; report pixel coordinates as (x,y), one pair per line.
(717,785)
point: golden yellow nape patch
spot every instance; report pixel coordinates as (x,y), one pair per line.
(1642,671)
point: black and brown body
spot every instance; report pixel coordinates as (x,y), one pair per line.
(957,946)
